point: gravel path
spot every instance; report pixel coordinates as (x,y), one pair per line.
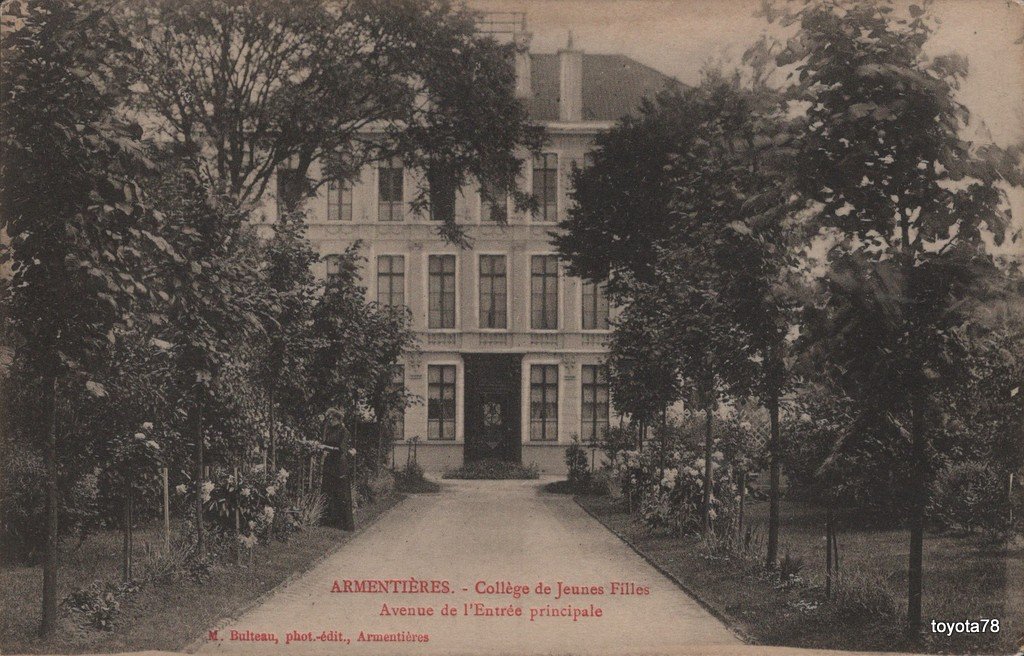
(489,531)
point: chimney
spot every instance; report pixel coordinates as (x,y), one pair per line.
(523,64)
(570,83)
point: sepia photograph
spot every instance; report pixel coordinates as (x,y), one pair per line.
(458,327)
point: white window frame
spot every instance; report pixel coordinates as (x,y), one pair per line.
(595,330)
(426,296)
(525,395)
(405,275)
(536,218)
(559,285)
(508,291)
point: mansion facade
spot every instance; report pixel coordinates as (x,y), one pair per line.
(509,359)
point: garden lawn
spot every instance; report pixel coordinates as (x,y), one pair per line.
(160,616)
(964,579)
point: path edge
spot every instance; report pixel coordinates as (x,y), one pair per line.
(716,612)
(200,640)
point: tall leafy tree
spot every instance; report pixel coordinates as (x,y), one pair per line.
(622,201)
(71,208)
(256,86)
(292,289)
(735,247)
(620,216)
(211,282)
(355,344)
(643,372)
(909,205)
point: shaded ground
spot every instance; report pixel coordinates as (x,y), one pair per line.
(165,616)
(964,579)
(490,531)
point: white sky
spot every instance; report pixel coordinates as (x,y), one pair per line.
(678,37)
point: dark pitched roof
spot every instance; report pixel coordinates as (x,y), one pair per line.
(612,86)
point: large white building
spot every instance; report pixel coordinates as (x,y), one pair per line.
(508,362)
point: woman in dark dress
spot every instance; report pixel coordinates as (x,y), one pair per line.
(337,478)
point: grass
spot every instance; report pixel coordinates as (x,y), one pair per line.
(160,616)
(494,470)
(965,579)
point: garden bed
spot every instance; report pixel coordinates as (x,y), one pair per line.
(160,616)
(494,470)
(964,579)
(411,480)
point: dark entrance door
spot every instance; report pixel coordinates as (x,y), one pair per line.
(492,407)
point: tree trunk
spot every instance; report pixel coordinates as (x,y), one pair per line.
(126,535)
(197,434)
(774,483)
(918,463)
(167,510)
(379,459)
(273,432)
(50,555)
(708,469)
(743,499)
(829,537)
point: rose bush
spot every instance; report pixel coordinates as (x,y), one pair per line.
(255,493)
(668,490)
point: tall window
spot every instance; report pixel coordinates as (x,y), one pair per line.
(544,292)
(545,186)
(595,402)
(339,201)
(390,182)
(595,306)
(493,203)
(291,186)
(544,402)
(441,292)
(391,280)
(441,402)
(493,291)
(396,417)
(333,269)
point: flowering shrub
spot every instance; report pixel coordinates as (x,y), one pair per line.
(132,470)
(255,494)
(668,491)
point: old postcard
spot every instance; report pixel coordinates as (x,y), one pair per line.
(512,326)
